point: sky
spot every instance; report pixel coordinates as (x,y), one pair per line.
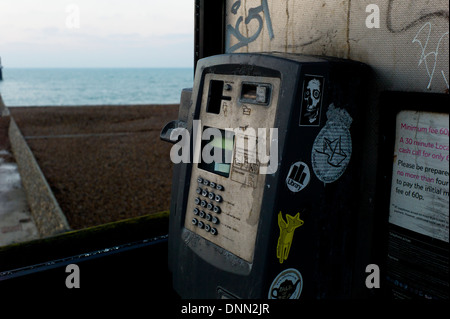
(97,33)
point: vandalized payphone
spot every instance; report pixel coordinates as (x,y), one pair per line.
(266,177)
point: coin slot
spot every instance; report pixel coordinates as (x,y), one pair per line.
(255,93)
(249,91)
(215,96)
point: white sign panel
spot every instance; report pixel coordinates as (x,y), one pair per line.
(420,177)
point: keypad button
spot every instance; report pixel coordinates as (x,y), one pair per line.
(197,201)
(217,210)
(200,180)
(205,182)
(219,187)
(208,217)
(207,227)
(203,203)
(212,184)
(210,206)
(202,214)
(196,211)
(198,190)
(218,198)
(215,220)
(194,221)
(200,224)
(213,231)
(211,195)
(205,193)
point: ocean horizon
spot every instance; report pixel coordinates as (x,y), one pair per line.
(93,86)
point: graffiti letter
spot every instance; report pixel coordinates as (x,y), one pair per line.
(253,14)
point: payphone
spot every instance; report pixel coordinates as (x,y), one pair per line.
(266,177)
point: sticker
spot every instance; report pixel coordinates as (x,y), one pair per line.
(298,177)
(332,147)
(311,100)
(287,285)
(287,229)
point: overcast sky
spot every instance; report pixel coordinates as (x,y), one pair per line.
(97,33)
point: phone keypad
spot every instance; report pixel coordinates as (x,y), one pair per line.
(207,208)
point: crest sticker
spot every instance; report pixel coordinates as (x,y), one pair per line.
(332,147)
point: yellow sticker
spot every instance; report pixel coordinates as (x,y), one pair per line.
(287,229)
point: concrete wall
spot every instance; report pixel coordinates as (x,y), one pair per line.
(408,51)
(47,215)
(406,42)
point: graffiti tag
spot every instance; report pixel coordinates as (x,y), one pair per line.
(253,14)
(429,57)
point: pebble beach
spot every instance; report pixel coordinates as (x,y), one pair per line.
(103,163)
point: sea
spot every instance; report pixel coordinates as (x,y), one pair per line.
(93,86)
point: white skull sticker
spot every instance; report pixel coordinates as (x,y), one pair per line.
(311,104)
(312,95)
